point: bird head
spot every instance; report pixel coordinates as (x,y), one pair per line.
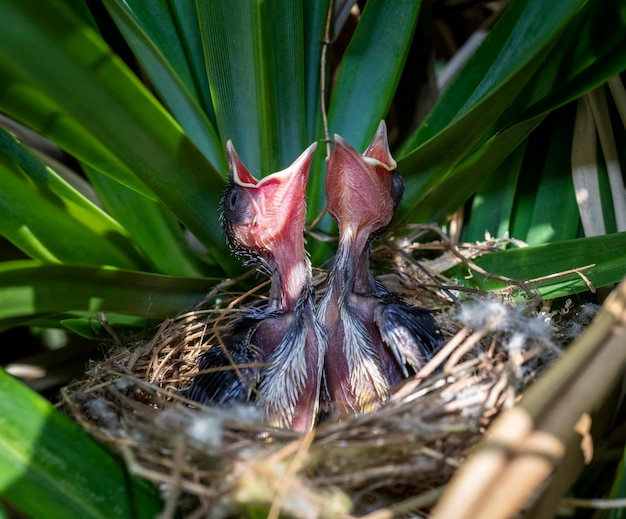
(264,219)
(363,190)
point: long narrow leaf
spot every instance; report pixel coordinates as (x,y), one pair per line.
(605,253)
(21,99)
(81,9)
(585,171)
(29,290)
(50,468)
(255,64)
(93,328)
(92,86)
(152,226)
(511,81)
(512,51)
(370,69)
(315,17)
(151,33)
(50,221)
(591,50)
(315,12)
(555,216)
(493,203)
(186,16)
(444,194)
(600,110)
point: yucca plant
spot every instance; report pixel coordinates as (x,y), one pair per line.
(129,224)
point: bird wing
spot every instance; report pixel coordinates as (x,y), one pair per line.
(410,332)
(223,382)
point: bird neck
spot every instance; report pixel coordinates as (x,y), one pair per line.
(351,270)
(291,273)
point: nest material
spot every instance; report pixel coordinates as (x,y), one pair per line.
(393,462)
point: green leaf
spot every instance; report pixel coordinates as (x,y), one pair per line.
(186,16)
(451,191)
(527,186)
(152,226)
(515,78)
(33,107)
(512,51)
(81,10)
(29,291)
(150,31)
(92,328)
(315,18)
(50,221)
(255,64)
(88,84)
(50,468)
(493,203)
(370,69)
(529,263)
(315,12)
(555,216)
(590,51)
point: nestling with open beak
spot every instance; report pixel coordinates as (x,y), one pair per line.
(280,347)
(375,339)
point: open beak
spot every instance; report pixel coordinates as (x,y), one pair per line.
(260,212)
(241,176)
(361,190)
(377,153)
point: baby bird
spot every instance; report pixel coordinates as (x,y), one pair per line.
(375,339)
(280,347)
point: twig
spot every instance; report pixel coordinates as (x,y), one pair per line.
(317,219)
(325,43)
(578,271)
(431,366)
(408,505)
(294,467)
(173,494)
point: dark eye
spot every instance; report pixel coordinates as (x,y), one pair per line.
(397,189)
(233,198)
(234,204)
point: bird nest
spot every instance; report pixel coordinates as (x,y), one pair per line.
(394,462)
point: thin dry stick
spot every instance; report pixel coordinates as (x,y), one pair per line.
(171,502)
(237,300)
(236,368)
(138,469)
(313,225)
(218,336)
(578,271)
(294,467)
(470,343)
(454,249)
(401,254)
(325,43)
(432,365)
(219,287)
(408,505)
